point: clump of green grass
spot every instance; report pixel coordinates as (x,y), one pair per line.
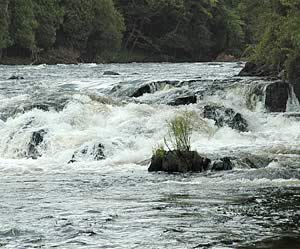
(180,130)
(159,151)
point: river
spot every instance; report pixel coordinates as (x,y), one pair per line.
(110,200)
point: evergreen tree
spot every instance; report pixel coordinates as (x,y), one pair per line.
(48,14)
(92,26)
(22,23)
(4,24)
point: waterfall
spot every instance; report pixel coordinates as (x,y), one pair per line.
(293,104)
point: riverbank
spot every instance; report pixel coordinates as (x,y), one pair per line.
(70,56)
(287,75)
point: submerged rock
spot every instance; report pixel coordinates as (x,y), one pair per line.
(255,95)
(277,95)
(95,152)
(225,116)
(184,100)
(37,138)
(15,77)
(110,73)
(222,164)
(179,161)
(252,162)
(137,89)
(141,91)
(152,87)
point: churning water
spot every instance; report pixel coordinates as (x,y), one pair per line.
(106,198)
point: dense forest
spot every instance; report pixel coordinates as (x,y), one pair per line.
(62,31)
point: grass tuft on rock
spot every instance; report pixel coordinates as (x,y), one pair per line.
(179,134)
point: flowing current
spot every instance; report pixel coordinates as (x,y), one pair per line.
(75,146)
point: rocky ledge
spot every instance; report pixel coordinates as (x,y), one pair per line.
(284,82)
(179,161)
(176,161)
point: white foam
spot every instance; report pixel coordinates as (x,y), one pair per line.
(129,132)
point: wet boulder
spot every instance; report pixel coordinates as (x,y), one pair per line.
(112,73)
(252,162)
(140,91)
(258,70)
(184,100)
(179,161)
(276,96)
(36,139)
(152,87)
(94,152)
(249,69)
(15,77)
(225,116)
(222,164)
(136,89)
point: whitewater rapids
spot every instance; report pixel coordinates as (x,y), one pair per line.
(48,202)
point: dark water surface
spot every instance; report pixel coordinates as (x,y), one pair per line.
(134,209)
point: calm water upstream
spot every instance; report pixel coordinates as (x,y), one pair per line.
(61,112)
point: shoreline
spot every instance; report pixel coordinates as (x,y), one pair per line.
(28,63)
(65,56)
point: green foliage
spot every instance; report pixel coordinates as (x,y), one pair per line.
(159,151)
(92,26)
(292,65)
(228,29)
(163,30)
(22,23)
(49,15)
(180,130)
(186,29)
(4,24)
(279,41)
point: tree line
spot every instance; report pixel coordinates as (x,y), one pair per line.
(274,28)
(157,30)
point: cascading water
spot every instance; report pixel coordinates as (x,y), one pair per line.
(293,104)
(75,146)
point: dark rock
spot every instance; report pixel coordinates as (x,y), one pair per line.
(249,69)
(156,163)
(254,162)
(15,77)
(225,116)
(179,161)
(141,91)
(137,88)
(277,95)
(250,161)
(184,100)
(110,73)
(262,70)
(95,153)
(37,138)
(153,87)
(222,164)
